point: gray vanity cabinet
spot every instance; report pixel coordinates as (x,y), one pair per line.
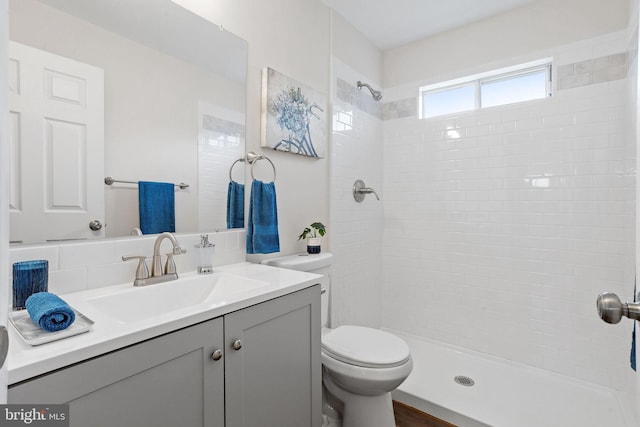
(274,377)
(170,380)
(269,374)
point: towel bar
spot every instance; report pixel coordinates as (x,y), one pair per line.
(108,180)
(253,158)
(242,159)
(267,159)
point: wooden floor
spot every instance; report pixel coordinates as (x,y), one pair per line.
(407,416)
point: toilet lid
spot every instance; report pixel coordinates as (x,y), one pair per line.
(366,347)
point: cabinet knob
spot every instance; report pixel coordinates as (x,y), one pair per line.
(237,345)
(216,355)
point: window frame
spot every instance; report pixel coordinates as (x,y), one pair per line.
(477,80)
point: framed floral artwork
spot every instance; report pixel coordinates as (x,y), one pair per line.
(294,117)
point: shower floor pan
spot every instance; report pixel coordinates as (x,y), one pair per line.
(495,392)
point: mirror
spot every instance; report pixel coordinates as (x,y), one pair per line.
(174,94)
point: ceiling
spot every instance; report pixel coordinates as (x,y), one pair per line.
(391,23)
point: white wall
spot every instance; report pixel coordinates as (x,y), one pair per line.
(292,37)
(357,227)
(351,47)
(542,24)
(4,182)
(356,153)
(634,24)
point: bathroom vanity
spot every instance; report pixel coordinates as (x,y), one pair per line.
(247,360)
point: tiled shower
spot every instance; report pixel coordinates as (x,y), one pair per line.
(500,227)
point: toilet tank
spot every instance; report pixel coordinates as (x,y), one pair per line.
(311,263)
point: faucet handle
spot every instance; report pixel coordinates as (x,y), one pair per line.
(142,272)
(178,251)
(170,265)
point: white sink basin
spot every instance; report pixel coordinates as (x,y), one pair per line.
(137,303)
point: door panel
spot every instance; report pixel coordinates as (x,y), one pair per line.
(57,146)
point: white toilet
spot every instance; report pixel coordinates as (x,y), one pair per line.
(361,366)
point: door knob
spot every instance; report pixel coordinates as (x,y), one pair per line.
(611,309)
(95,225)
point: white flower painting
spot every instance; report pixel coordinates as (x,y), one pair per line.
(293,116)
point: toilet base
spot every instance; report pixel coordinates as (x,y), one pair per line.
(361,411)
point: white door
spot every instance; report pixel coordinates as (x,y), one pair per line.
(4,188)
(56,134)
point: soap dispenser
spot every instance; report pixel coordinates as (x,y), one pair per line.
(205,258)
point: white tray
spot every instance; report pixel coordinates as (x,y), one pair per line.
(35,335)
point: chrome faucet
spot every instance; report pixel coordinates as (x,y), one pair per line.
(170,266)
(158,274)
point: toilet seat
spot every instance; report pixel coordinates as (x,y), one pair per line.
(365,347)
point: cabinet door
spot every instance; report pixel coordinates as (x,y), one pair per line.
(274,378)
(166,381)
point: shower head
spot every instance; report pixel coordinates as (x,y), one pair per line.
(376,94)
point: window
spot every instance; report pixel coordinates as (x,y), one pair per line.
(520,83)
(448,100)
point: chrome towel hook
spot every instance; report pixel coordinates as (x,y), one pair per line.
(360,190)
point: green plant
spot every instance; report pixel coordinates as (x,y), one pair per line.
(313,230)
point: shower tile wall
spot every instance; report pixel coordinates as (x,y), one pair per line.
(502,226)
(356,228)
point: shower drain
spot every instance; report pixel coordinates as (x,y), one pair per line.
(465,381)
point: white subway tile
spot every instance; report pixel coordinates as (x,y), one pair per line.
(87,253)
(541,214)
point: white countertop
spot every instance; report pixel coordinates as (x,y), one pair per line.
(26,361)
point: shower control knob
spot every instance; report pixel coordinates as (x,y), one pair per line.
(611,309)
(216,355)
(237,345)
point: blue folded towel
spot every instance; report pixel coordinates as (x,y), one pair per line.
(157,207)
(235,205)
(50,312)
(262,225)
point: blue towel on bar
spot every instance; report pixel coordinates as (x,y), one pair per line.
(235,205)
(157,207)
(49,311)
(262,225)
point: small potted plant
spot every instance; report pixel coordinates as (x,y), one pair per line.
(311,234)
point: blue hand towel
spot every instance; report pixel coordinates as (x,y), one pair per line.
(262,225)
(235,205)
(157,207)
(50,312)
